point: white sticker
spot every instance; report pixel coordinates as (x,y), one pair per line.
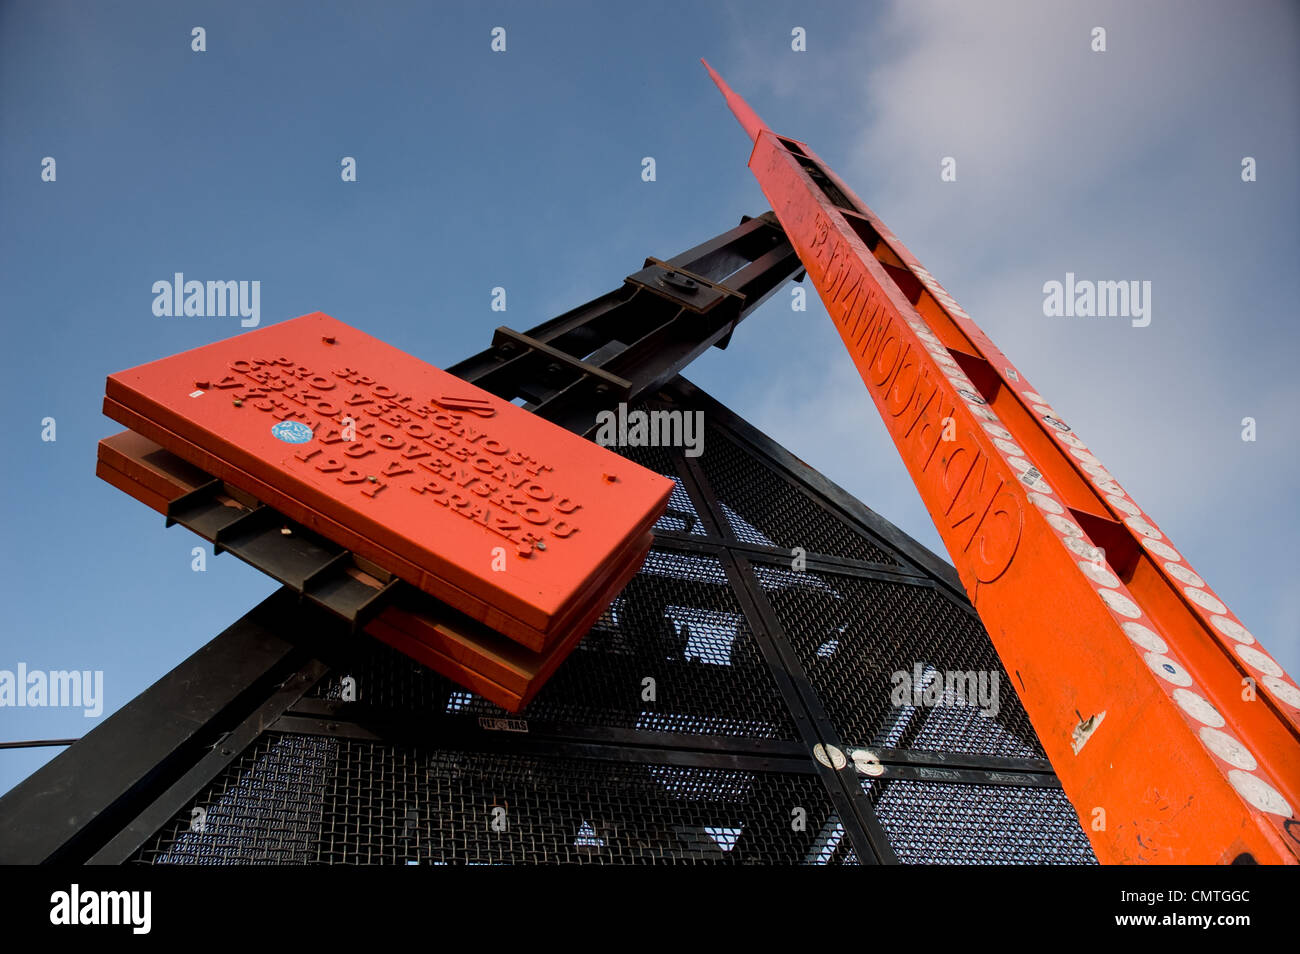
(1035,398)
(867,762)
(1011,373)
(196,394)
(1204,600)
(1160,549)
(1230,627)
(1020,464)
(1032,478)
(1283,690)
(1008,448)
(1066,438)
(1120,603)
(1167,669)
(830,756)
(1144,637)
(1086,550)
(1198,708)
(1254,657)
(1138,525)
(1045,503)
(1098,574)
(1228,749)
(1123,505)
(1087,456)
(1064,525)
(1259,793)
(997,430)
(1183,575)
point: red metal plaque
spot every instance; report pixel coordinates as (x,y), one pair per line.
(418,625)
(503,515)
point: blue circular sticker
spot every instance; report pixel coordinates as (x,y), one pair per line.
(291,432)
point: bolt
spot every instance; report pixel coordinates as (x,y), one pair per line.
(202,385)
(328,339)
(541,544)
(238,403)
(372,478)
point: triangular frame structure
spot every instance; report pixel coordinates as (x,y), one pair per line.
(788,679)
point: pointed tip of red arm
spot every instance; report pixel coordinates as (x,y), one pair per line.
(742,110)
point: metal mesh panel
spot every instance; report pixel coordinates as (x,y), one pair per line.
(266,808)
(942,823)
(854,636)
(378,803)
(295,798)
(765,509)
(677,622)
(680,515)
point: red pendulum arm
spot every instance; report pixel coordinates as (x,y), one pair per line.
(1175,735)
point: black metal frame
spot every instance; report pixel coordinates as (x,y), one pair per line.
(105,797)
(631,341)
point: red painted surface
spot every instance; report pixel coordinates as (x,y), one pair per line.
(1175,735)
(426,629)
(438,477)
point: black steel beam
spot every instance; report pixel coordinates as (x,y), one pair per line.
(631,341)
(83,797)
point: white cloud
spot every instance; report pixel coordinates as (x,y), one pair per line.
(1117,165)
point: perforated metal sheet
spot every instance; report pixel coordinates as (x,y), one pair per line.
(681,515)
(266,808)
(682,624)
(853,636)
(941,823)
(677,623)
(765,509)
(359,802)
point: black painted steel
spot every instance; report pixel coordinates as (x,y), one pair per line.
(735,704)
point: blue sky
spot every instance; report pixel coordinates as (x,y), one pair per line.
(522,169)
